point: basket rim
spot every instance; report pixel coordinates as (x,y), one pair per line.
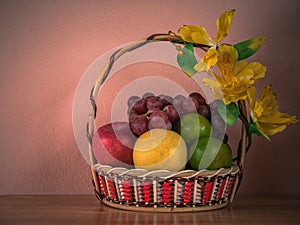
(164,174)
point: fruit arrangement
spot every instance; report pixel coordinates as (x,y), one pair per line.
(166,133)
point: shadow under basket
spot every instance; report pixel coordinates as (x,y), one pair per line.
(160,190)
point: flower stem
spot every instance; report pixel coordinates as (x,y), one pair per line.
(244,120)
(249,142)
(249,134)
(243,141)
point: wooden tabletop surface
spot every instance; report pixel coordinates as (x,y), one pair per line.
(86,210)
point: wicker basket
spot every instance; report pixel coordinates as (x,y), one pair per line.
(161,191)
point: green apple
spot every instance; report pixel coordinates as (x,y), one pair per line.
(209,153)
(193,126)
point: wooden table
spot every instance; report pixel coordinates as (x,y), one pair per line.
(86,210)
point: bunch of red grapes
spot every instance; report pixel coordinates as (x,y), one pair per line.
(163,112)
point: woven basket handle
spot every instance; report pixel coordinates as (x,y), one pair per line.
(171,37)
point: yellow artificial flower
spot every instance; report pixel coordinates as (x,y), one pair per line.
(199,35)
(265,114)
(236,77)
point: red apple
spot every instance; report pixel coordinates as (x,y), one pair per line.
(113,144)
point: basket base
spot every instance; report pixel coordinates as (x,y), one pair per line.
(165,209)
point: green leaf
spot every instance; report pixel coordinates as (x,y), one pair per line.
(186,59)
(248,47)
(229,113)
(253,129)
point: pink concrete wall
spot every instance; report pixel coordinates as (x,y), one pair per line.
(46,46)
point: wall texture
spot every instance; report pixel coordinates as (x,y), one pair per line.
(46,46)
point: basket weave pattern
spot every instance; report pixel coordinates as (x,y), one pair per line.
(183,189)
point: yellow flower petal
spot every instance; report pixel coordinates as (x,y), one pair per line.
(201,66)
(211,57)
(214,86)
(251,95)
(258,69)
(268,97)
(252,71)
(209,60)
(246,75)
(212,83)
(278,118)
(234,98)
(230,49)
(196,34)
(226,66)
(239,66)
(265,112)
(223,25)
(258,110)
(233,82)
(269,130)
